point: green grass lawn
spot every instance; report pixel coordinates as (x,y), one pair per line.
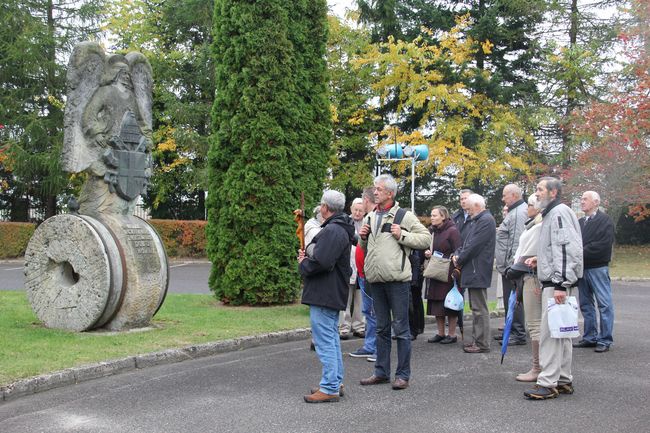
(630,261)
(27,348)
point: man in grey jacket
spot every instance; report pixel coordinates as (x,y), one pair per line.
(507,241)
(559,265)
(388,272)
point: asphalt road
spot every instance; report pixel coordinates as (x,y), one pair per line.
(185,276)
(261,389)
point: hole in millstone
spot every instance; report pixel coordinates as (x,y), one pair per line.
(67,276)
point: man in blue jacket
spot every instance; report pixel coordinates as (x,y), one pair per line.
(475,258)
(597,239)
(326,275)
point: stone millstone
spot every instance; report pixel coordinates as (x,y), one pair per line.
(145,267)
(69,275)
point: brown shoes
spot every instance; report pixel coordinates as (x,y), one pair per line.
(341,391)
(400,384)
(474,349)
(321,397)
(374,380)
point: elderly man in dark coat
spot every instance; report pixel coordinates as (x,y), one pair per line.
(475,258)
(326,273)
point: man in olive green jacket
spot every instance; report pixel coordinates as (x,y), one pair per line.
(388,273)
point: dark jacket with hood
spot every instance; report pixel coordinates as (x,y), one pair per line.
(476,256)
(327,272)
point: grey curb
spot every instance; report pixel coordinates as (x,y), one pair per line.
(71,376)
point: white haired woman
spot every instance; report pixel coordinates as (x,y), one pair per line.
(532,290)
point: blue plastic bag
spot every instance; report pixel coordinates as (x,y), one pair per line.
(454,300)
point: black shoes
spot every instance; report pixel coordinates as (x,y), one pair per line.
(448,340)
(514,342)
(565,388)
(435,339)
(584,343)
(599,348)
(541,393)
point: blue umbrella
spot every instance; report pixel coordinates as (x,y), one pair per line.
(506,328)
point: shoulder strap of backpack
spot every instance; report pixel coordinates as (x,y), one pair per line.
(399,216)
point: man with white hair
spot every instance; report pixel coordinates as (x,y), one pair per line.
(369,348)
(508,234)
(388,243)
(597,239)
(351,320)
(326,275)
(475,258)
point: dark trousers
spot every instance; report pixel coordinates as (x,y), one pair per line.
(416,311)
(391,300)
(518,330)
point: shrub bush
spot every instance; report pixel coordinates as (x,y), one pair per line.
(14,238)
(182,238)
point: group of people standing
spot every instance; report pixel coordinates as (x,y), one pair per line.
(364,263)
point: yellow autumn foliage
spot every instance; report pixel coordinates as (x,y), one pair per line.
(416,73)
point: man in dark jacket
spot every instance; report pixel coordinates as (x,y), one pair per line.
(461,217)
(326,275)
(475,258)
(597,239)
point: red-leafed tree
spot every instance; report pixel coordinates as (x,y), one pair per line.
(615,134)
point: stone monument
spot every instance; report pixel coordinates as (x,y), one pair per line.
(100,266)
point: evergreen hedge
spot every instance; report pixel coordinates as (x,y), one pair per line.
(272,129)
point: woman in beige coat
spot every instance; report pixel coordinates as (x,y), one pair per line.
(532,291)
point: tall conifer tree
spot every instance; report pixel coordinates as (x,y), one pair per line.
(271,124)
(36,39)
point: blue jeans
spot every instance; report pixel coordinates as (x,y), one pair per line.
(325,333)
(392,298)
(370,341)
(595,287)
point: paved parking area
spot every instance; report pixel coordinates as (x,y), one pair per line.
(261,389)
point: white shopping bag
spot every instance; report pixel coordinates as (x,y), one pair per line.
(563,318)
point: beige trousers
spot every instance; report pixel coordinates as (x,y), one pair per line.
(555,354)
(355,321)
(532,306)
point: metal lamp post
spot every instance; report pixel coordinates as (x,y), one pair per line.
(399,152)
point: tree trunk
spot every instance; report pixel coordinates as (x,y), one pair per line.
(50,206)
(570,90)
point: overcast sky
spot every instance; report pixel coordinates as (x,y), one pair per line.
(338,6)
